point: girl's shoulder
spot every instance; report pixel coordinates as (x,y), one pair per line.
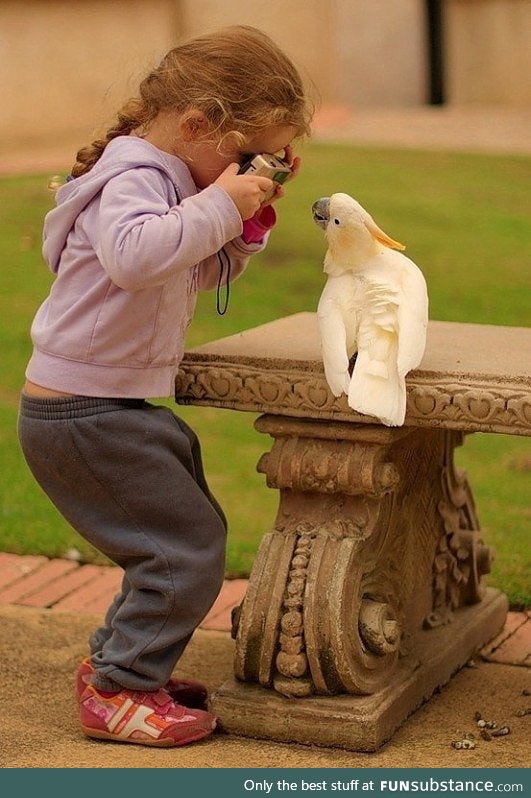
(132,154)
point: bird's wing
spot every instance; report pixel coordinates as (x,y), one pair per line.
(412,319)
(333,334)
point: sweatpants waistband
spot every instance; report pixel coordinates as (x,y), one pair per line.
(61,408)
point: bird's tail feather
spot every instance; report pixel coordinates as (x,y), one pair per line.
(374,394)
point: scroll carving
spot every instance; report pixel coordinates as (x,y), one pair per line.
(334,602)
(461,558)
(292,661)
(328,467)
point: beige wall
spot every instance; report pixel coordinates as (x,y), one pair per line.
(488,56)
(303,28)
(360,52)
(66,65)
(381,53)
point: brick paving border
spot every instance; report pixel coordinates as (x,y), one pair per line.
(67,586)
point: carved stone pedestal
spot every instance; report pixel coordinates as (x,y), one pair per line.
(366,596)
(354,722)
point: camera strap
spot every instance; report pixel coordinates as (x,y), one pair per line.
(222,310)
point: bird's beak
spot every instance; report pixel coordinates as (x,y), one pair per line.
(379,234)
(321,212)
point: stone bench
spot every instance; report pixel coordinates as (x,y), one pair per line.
(368,593)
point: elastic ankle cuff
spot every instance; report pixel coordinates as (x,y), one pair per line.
(104,684)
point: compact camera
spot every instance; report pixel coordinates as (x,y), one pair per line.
(266,165)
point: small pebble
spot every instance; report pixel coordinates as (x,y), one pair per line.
(487,724)
(484,724)
(463,744)
(502,732)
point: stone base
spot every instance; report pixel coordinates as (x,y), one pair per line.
(363,723)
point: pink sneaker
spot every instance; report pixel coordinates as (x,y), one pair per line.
(185,692)
(142,718)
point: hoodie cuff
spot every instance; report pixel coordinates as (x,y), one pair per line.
(255,229)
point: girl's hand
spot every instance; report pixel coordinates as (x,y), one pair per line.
(292,161)
(246,191)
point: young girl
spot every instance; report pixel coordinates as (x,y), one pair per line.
(150,214)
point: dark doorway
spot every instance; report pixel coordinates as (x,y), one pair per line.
(435,40)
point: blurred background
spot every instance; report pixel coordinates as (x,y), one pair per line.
(66,65)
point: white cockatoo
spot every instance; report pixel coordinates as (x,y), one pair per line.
(375,303)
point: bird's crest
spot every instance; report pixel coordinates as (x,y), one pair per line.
(379,234)
(376,231)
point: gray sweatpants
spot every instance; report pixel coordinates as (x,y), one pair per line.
(128,477)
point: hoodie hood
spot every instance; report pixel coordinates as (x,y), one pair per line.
(120,155)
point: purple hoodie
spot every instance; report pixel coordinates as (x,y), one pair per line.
(131,242)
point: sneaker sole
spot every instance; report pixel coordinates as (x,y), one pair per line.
(165,742)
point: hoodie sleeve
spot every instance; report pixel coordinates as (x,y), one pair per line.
(142,240)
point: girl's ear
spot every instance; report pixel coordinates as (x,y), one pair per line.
(194,125)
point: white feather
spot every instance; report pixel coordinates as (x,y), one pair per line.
(375,303)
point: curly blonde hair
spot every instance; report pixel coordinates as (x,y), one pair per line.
(237,77)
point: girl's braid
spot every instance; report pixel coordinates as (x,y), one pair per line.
(132,116)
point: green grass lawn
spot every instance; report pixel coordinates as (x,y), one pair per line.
(465,221)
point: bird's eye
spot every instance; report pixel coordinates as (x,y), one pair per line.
(336,221)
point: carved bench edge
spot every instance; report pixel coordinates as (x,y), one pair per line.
(449,402)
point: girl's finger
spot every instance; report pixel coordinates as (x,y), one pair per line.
(288,155)
(295,167)
(279,193)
